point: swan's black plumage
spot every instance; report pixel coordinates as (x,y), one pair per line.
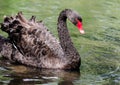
(38,47)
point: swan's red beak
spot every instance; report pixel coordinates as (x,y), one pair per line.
(80,27)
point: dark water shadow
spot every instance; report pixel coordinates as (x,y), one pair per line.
(22,75)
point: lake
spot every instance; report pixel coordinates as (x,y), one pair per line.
(99,47)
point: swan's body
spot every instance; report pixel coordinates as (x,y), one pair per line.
(38,47)
(8,50)
(5,47)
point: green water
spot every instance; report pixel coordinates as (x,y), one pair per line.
(99,47)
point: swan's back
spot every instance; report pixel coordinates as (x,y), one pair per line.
(43,36)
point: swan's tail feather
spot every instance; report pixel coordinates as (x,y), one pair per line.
(32,19)
(21,17)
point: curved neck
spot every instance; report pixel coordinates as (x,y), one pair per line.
(63,33)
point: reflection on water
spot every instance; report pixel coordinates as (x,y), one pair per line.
(22,75)
(65,83)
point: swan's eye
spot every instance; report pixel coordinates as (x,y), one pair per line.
(80,19)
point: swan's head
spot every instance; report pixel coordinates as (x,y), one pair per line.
(76,19)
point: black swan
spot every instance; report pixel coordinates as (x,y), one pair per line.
(38,47)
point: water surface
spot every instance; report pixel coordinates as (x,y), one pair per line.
(99,47)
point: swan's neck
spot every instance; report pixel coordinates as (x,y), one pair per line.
(64,36)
